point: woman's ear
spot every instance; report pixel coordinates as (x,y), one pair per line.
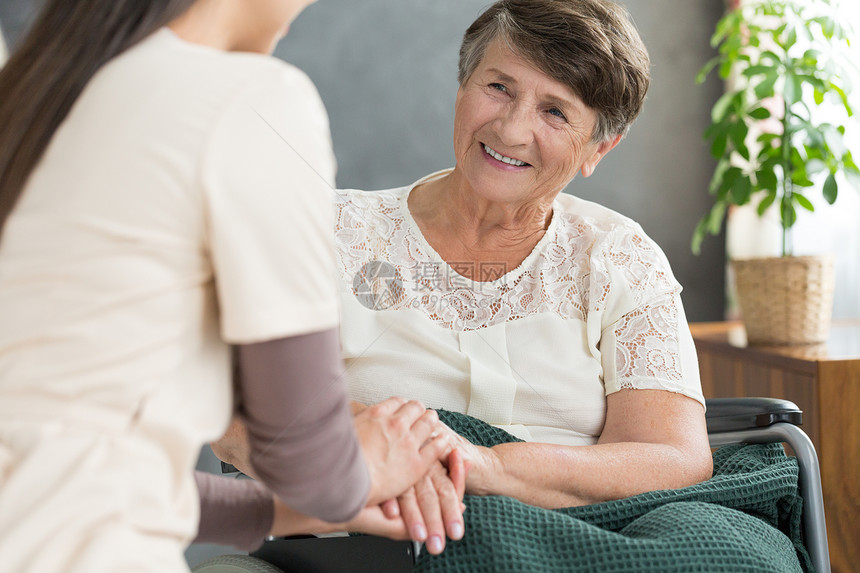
(602,149)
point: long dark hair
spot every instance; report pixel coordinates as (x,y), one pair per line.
(68,43)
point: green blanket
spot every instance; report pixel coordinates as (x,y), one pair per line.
(745,518)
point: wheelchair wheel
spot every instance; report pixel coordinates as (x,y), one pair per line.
(235,564)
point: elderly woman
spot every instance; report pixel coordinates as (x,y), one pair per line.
(485,290)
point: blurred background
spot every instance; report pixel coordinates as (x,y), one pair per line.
(387,70)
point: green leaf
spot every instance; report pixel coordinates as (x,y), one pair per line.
(766,178)
(726,67)
(818,96)
(803,201)
(721,142)
(788,214)
(812,80)
(765,203)
(765,89)
(728,181)
(715,218)
(706,69)
(728,23)
(831,189)
(741,191)
(800,179)
(767,138)
(716,179)
(721,108)
(770,55)
(791,39)
(812,56)
(698,237)
(829,27)
(793,89)
(788,91)
(757,70)
(844,97)
(738,133)
(760,113)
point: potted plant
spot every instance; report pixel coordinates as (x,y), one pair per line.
(783,60)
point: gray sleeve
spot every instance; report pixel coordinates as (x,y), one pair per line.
(233,511)
(303,445)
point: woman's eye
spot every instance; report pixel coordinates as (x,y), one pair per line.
(498,87)
(556,112)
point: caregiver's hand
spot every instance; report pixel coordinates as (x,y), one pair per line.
(401,441)
(371,520)
(434,506)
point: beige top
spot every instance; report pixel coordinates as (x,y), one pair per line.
(533,350)
(171,215)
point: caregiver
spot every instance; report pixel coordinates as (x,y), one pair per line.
(144,228)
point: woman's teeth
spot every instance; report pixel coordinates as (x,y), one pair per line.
(499,157)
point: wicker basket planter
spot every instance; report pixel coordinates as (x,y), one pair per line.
(785,300)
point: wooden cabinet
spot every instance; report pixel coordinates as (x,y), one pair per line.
(824,381)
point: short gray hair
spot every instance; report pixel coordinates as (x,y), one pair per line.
(591,46)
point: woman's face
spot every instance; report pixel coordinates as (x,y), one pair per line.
(264,22)
(520,135)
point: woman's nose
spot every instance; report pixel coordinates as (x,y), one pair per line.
(515,126)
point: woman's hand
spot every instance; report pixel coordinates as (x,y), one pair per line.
(233,448)
(434,506)
(371,520)
(485,467)
(441,505)
(401,441)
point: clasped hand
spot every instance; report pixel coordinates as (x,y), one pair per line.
(418,477)
(415,470)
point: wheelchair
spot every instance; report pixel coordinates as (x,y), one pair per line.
(729,420)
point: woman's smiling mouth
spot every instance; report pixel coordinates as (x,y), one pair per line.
(504,159)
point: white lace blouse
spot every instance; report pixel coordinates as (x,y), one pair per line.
(534,350)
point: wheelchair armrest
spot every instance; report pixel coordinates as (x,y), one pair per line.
(734,414)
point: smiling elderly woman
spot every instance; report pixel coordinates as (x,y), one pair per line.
(485,290)
(548,316)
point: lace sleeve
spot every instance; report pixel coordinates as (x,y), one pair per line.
(644,340)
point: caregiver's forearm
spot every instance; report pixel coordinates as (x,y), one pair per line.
(233,512)
(242,513)
(553,476)
(300,429)
(233,447)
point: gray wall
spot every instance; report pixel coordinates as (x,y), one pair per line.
(387,73)
(386,70)
(14,17)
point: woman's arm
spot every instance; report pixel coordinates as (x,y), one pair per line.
(242,513)
(233,447)
(304,442)
(652,439)
(431,510)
